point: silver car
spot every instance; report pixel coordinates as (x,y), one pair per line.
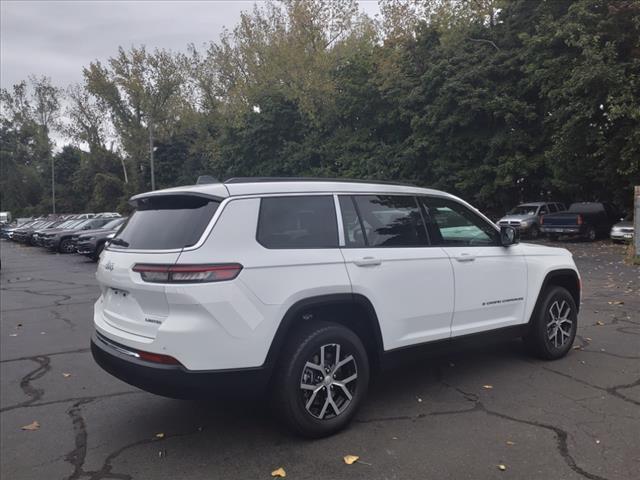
(622,232)
(526,216)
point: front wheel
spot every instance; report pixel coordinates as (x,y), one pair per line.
(534,233)
(321,379)
(66,246)
(554,324)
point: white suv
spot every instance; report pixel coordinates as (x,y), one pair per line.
(306,286)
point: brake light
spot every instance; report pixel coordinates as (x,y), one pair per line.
(542,220)
(580,221)
(187,273)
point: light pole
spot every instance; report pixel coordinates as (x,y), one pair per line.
(153,174)
(53,185)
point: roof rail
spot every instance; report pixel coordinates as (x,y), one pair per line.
(310,179)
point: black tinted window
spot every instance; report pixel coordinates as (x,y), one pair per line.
(391,221)
(298,222)
(169,222)
(451,223)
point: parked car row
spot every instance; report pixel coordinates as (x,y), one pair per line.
(84,233)
(589,220)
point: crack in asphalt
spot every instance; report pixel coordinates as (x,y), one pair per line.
(34,394)
(610,390)
(53,354)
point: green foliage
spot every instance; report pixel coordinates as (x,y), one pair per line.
(498,101)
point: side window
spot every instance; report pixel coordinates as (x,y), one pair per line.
(552,207)
(453,224)
(389,221)
(543,210)
(353,236)
(298,222)
(561,207)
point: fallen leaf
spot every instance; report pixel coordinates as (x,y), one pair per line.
(598,442)
(600,323)
(510,443)
(19,325)
(32,426)
(577,347)
(13,334)
(487,387)
(588,339)
(351,459)
(66,375)
(616,302)
(502,467)
(43,333)
(160,435)
(279,473)
(419,400)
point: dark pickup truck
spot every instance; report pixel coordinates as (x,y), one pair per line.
(584,219)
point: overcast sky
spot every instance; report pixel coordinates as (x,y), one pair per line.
(58,38)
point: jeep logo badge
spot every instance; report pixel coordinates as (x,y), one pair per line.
(109,266)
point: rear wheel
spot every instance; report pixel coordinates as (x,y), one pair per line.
(591,234)
(554,324)
(321,379)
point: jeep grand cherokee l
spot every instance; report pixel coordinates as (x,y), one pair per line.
(307,286)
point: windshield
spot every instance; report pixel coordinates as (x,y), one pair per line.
(524,210)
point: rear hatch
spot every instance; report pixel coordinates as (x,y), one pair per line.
(155,234)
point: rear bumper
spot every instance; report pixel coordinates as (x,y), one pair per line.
(175,381)
(562,230)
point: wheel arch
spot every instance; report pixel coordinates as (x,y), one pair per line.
(566,278)
(354,311)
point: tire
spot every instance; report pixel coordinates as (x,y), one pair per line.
(66,246)
(591,234)
(309,412)
(546,340)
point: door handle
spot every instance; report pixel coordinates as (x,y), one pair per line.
(367,262)
(465,257)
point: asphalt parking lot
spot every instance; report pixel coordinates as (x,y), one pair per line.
(456,416)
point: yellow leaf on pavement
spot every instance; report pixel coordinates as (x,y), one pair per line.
(502,467)
(279,473)
(66,375)
(160,435)
(487,387)
(32,426)
(600,322)
(350,459)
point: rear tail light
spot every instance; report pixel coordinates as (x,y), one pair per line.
(542,220)
(580,220)
(187,273)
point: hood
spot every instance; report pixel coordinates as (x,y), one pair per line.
(57,231)
(623,225)
(518,217)
(99,232)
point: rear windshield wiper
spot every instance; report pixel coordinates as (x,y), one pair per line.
(119,241)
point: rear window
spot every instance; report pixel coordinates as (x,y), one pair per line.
(168,222)
(298,222)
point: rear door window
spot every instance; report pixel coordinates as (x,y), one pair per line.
(167,222)
(387,221)
(298,222)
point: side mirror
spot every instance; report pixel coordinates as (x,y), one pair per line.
(509,235)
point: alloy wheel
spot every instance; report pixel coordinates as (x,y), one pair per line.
(560,325)
(329,381)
